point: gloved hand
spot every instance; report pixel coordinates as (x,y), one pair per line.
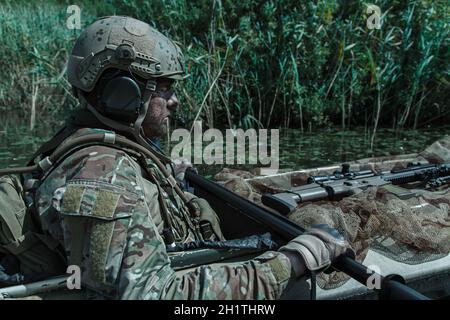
(316,249)
(179,168)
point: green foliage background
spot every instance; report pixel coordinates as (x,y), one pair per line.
(287,63)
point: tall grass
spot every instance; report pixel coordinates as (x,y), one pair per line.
(302,64)
(34,50)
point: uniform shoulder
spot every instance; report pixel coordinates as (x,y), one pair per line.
(94,150)
(96,162)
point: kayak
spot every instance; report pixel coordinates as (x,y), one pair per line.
(240,219)
(430,278)
(425,269)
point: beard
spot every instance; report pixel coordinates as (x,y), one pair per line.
(164,127)
(155,130)
(156,122)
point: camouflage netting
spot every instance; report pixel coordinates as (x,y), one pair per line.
(411,231)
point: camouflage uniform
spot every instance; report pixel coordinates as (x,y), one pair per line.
(100,206)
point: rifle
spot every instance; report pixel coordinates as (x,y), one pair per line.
(392,286)
(28,289)
(345,183)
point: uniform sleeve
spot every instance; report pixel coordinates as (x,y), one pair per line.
(146,272)
(109,231)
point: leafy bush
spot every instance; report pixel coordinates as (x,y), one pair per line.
(301,64)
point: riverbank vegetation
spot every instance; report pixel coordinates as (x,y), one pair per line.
(287,63)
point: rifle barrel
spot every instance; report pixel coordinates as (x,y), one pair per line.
(28,289)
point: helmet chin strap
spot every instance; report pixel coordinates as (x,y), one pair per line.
(136,129)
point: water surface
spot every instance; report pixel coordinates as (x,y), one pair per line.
(297,150)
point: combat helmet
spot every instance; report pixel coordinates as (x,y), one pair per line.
(127,44)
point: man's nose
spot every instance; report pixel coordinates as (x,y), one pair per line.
(173,102)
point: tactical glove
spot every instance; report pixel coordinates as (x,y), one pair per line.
(316,249)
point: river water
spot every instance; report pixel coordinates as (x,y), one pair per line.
(297,150)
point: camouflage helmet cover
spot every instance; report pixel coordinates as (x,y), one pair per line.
(126,44)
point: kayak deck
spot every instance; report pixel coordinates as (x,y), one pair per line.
(431,278)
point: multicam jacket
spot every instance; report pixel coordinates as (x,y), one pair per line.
(99,205)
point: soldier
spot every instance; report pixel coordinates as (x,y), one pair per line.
(114,211)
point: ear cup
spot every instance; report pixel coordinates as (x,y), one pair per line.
(121,99)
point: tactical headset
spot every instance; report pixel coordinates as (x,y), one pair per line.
(119,95)
(121,98)
(123,102)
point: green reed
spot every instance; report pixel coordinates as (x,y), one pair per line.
(286,63)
